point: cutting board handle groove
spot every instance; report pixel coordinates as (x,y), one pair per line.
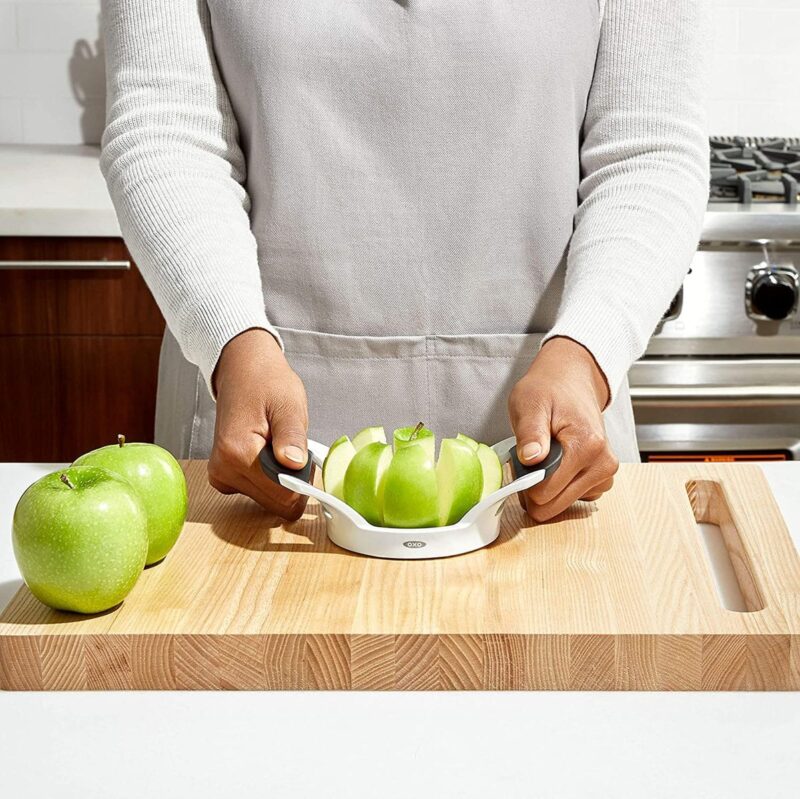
(710,506)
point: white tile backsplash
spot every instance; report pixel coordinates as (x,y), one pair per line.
(778,27)
(724,29)
(760,4)
(8,26)
(724,116)
(756,78)
(55,27)
(10,121)
(52,78)
(766,118)
(49,121)
(52,75)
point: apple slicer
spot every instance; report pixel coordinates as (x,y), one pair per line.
(349,530)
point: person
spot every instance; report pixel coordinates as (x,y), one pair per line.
(360,212)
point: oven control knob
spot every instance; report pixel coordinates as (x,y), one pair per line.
(774,295)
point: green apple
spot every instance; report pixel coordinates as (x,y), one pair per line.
(335,465)
(418,434)
(410,490)
(158,478)
(460,480)
(369,435)
(492,469)
(80,539)
(467,440)
(364,483)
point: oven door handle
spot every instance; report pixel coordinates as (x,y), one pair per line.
(716,396)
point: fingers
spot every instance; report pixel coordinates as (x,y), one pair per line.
(599,490)
(530,420)
(582,450)
(585,487)
(222,487)
(287,424)
(275,498)
(589,484)
(234,468)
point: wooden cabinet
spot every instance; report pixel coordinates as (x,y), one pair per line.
(79,342)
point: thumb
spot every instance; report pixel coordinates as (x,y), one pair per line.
(289,441)
(532,430)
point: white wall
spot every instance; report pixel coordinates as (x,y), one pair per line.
(51,70)
(755,71)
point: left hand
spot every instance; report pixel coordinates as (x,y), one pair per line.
(563,395)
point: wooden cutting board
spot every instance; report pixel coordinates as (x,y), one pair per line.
(614,595)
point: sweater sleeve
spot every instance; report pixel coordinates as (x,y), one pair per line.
(644,181)
(175,172)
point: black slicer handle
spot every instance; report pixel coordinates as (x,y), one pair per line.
(271,467)
(549,464)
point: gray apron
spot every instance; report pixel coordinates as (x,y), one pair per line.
(374,213)
(452,383)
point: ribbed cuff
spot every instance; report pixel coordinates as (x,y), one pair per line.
(213,331)
(611,344)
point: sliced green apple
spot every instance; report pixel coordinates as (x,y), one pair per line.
(335,465)
(364,480)
(492,469)
(410,497)
(369,435)
(404,436)
(459,477)
(467,440)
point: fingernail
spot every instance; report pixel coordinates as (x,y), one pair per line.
(531,451)
(294,454)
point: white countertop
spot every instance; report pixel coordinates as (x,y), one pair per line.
(54,190)
(390,745)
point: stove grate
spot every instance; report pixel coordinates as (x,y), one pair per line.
(748,169)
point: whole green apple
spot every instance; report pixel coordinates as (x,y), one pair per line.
(80,539)
(161,484)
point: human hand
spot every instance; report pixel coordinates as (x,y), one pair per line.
(259,398)
(563,395)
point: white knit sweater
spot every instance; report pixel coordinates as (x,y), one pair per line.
(376,167)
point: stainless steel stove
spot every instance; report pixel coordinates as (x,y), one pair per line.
(721,376)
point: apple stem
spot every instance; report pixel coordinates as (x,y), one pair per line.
(416,430)
(66,481)
(121,440)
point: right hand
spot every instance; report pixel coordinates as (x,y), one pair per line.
(259,399)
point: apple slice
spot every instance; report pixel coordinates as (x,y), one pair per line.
(460,480)
(364,480)
(492,469)
(369,435)
(404,436)
(467,440)
(411,489)
(335,465)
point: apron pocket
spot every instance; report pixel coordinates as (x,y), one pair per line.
(452,383)
(358,381)
(471,377)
